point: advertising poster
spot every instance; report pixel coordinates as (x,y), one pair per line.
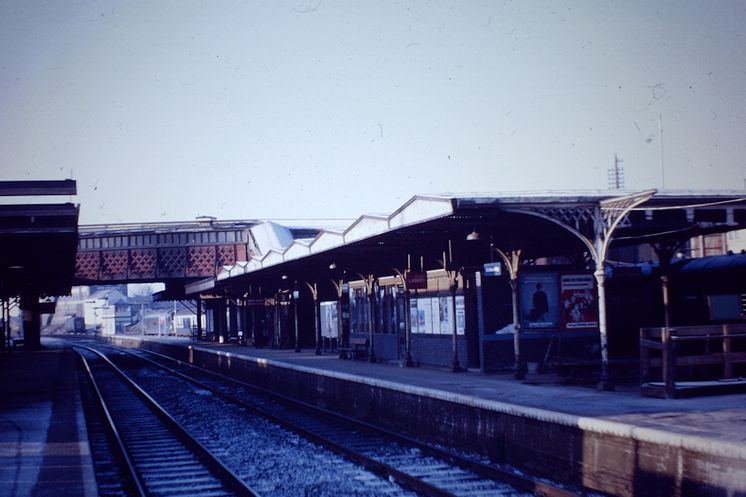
(539,298)
(445,318)
(414,320)
(578,301)
(328,317)
(425,315)
(460,315)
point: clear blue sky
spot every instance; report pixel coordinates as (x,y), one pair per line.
(166,110)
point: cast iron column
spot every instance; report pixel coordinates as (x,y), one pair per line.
(316,319)
(296,295)
(455,365)
(519,367)
(408,361)
(199,318)
(371,296)
(605,383)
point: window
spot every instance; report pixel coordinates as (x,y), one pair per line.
(358,311)
(390,310)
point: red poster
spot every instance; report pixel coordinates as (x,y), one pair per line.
(578,301)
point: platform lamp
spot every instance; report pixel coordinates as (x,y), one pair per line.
(453,274)
(339,287)
(296,295)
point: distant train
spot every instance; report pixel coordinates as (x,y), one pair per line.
(709,289)
(74,324)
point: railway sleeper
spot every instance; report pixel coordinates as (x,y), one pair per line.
(420,471)
(150,476)
(192,462)
(187,486)
(157,452)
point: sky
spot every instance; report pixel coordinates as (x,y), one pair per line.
(168,110)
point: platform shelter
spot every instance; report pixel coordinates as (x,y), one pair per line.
(469,281)
(37,253)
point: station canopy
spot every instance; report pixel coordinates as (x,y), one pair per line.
(38,242)
(461,229)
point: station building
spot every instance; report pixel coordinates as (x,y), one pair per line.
(486,282)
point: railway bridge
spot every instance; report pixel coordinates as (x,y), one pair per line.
(174,253)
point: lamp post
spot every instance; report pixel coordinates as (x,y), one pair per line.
(371,294)
(314,289)
(340,289)
(453,274)
(296,295)
(408,361)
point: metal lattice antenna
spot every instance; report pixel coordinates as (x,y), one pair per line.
(616,174)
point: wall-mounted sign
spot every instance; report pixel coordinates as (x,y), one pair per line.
(493,269)
(417,280)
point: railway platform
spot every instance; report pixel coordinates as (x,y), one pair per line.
(717,418)
(43,440)
(618,442)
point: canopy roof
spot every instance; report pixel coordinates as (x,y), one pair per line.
(428,229)
(38,242)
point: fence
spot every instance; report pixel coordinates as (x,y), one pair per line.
(700,352)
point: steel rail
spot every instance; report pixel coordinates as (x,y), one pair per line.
(111,426)
(204,455)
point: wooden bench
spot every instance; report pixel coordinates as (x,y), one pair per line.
(358,349)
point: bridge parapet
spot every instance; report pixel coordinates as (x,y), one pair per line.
(160,251)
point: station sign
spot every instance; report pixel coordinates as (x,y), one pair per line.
(493,269)
(416,280)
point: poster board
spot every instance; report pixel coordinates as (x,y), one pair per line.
(539,300)
(578,301)
(329,319)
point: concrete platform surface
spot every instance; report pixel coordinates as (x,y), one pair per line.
(43,441)
(717,419)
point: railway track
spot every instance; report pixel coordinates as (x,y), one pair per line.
(426,469)
(159,456)
(112,477)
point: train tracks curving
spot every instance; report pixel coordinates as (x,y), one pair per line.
(425,469)
(157,454)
